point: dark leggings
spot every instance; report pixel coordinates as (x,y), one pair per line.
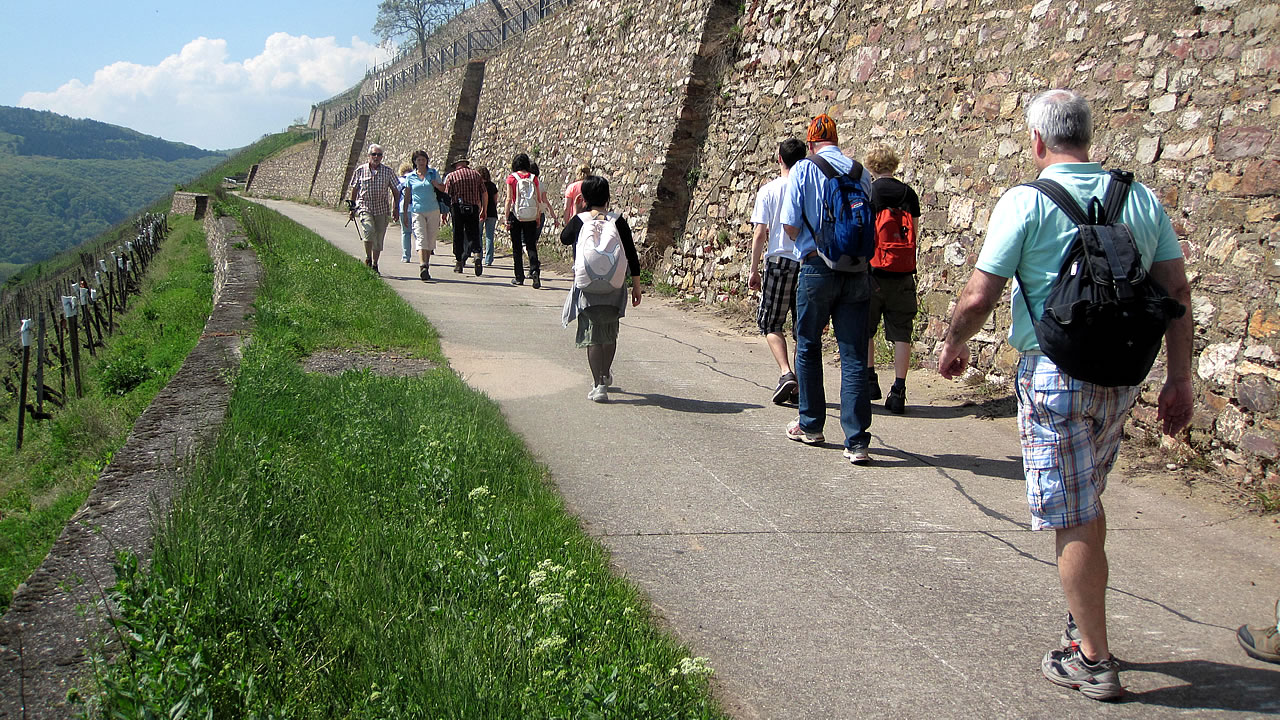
(526,234)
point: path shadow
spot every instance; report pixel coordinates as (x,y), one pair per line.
(991,408)
(1009,468)
(1209,685)
(666,402)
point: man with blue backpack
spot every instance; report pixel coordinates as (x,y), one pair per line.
(827,212)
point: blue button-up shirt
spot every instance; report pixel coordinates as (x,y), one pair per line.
(803,197)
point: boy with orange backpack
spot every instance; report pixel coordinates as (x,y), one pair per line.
(893,272)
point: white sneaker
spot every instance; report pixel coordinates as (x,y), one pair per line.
(608,380)
(599,393)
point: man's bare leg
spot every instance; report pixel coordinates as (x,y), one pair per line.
(778,346)
(901,359)
(1083,569)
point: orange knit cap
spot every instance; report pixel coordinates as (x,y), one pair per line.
(823,129)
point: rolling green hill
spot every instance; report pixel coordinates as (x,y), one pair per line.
(63,181)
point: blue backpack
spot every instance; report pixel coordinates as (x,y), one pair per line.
(846,238)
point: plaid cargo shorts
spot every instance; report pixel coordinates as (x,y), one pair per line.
(1071,432)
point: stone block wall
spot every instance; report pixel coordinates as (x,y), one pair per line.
(335,167)
(602,83)
(420,119)
(287,174)
(1184,93)
(192,204)
(681,106)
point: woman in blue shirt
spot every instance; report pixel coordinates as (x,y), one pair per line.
(419,195)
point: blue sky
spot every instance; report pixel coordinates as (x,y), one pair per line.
(216,75)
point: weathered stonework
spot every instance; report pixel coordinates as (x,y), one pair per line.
(1184,96)
(61,607)
(191,204)
(601,83)
(682,105)
(287,174)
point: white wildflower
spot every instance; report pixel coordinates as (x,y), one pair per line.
(547,644)
(480,493)
(550,602)
(537,577)
(698,666)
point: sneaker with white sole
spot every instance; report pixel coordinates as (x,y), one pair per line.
(857,455)
(797,433)
(599,393)
(1096,681)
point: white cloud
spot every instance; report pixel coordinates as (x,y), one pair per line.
(200,96)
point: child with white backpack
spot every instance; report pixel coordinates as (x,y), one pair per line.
(604,259)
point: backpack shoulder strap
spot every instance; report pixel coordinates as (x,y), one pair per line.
(855,172)
(1060,197)
(1117,193)
(823,165)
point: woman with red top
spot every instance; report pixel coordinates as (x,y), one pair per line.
(573,203)
(522,211)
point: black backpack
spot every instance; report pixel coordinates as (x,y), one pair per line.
(1105,315)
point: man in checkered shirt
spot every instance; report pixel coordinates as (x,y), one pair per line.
(466,188)
(1070,429)
(373,185)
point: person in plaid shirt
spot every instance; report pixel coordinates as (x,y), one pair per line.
(372,187)
(466,188)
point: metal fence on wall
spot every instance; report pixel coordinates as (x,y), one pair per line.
(490,36)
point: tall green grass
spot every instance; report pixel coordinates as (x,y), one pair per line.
(44,483)
(371,547)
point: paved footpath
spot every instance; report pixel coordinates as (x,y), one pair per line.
(910,588)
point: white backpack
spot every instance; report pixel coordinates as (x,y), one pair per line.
(526,198)
(600,262)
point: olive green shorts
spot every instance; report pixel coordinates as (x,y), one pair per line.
(598,325)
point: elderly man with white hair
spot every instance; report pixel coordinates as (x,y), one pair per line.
(1070,429)
(374,192)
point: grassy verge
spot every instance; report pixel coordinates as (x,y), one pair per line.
(41,486)
(361,546)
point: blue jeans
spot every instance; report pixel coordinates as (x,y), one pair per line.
(844,298)
(406,235)
(490,226)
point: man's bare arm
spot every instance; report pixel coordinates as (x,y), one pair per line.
(1176,402)
(977,301)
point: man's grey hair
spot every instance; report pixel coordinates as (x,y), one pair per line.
(1062,118)
(374,146)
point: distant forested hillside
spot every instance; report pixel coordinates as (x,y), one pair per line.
(63,181)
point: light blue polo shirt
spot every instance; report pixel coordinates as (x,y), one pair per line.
(804,191)
(422,193)
(1029,236)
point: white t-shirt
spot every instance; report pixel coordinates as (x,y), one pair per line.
(768,212)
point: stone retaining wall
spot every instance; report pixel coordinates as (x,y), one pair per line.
(43,635)
(682,105)
(287,174)
(602,82)
(421,119)
(190,204)
(335,168)
(1184,93)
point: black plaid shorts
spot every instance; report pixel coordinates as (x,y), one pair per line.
(777,294)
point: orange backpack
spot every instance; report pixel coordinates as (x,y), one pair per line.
(895,241)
